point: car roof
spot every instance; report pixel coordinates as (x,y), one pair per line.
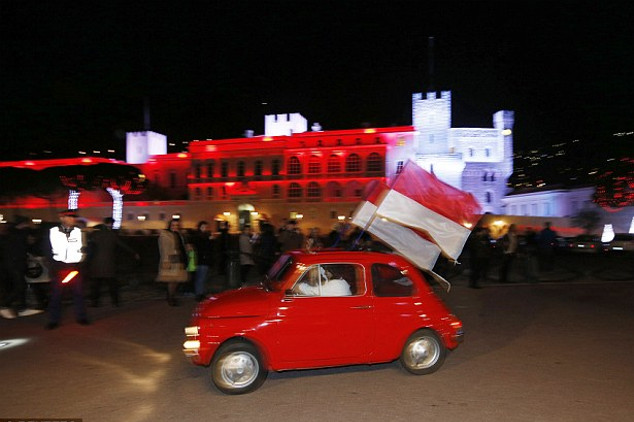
(337,255)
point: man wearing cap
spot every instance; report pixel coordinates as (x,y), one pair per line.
(68,251)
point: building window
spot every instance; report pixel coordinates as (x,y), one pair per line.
(224,169)
(197,193)
(210,169)
(470,152)
(353,163)
(314,165)
(488,152)
(241,167)
(374,162)
(162,216)
(492,177)
(294,190)
(257,170)
(399,167)
(334,190)
(130,217)
(431,139)
(334,164)
(172,179)
(488,198)
(197,171)
(333,215)
(275,168)
(294,166)
(313,190)
(485,176)
(534,210)
(276,191)
(210,192)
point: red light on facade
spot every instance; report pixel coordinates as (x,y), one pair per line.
(267,139)
(229,184)
(369,131)
(182,155)
(29,163)
(86,160)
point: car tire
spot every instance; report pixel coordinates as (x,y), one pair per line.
(423,353)
(237,368)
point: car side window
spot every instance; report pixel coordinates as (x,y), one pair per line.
(388,281)
(330,280)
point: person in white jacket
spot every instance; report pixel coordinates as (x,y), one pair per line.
(68,248)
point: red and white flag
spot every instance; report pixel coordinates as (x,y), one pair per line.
(410,243)
(419,200)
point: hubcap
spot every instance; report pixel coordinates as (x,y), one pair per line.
(422,353)
(239,369)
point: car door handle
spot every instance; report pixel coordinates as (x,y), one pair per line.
(362,307)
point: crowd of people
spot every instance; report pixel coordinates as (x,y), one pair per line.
(535,249)
(71,261)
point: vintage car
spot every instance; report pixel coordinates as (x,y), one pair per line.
(322,309)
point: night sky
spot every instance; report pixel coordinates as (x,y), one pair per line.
(74,75)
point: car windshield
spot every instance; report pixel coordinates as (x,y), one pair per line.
(276,273)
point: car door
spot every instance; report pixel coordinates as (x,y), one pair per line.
(320,330)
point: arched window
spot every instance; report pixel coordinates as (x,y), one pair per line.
(241,167)
(353,163)
(210,169)
(294,190)
(197,171)
(485,176)
(334,164)
(210,192)
(224,169)
(374,162)
(313,190)
(294,166)
(492,177)
(334,190)
(276,191)
(275,167)
(257,169)
(314,165)
(354,189)
(488,197)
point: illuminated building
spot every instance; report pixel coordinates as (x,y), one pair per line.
(316,176)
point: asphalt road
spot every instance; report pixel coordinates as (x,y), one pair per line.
(551,351)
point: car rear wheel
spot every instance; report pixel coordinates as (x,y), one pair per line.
(237,368)
(423,353)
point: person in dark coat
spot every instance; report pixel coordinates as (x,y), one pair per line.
(102,252)
(480,252)
(201,241)
(14,257)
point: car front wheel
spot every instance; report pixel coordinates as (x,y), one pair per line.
(237,368)
(423,353)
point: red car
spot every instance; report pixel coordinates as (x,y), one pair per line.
(323,309)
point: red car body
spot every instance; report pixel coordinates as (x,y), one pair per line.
(288,331)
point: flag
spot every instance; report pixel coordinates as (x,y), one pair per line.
(405,241)
(419,200)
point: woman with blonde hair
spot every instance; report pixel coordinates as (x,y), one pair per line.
(173,259)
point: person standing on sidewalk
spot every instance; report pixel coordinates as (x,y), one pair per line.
(246,253)
(479,256)
(202,244)
(173,260)
(102,248)
(68,249)
(509,251)
(14,257)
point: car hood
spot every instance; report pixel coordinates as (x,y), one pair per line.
(240,303)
